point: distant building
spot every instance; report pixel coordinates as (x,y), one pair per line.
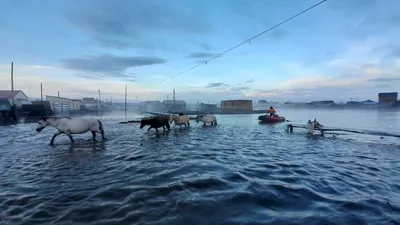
(262,102)
(389,98)
(326,102)
(352,103)
(18,96)
(89,101)
(175,105)
(5,105)
(90,104)
(237,104)
(155,106)
(207,107)
(73,104)
(368,102)
(151,103)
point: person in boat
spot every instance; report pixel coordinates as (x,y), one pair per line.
(271,111)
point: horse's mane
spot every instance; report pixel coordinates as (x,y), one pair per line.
(149,118)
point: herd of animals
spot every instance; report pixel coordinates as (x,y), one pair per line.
(68,126)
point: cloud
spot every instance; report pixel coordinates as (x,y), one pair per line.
(395,53)
(361,71)
(363,18)
(385,79)
(239,89)
(70,85)
(216,85)
(201,55)
(205,46)
(109,65)
(140,23)
(278,34)
(363,81)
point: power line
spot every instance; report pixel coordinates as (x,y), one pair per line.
(238,45)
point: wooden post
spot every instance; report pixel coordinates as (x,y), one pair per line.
(58,93)
(99,103)
(125,98)
(12,82)
(41,92)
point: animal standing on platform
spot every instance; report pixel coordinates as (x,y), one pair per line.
(207,119)
(310,127)
(155,122)
(180,119)
(68,126)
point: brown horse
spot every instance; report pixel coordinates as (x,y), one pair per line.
(155,122)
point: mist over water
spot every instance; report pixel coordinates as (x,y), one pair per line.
(239,172)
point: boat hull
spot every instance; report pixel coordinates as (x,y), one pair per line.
(270,119)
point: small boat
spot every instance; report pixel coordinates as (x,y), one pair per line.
(271,119)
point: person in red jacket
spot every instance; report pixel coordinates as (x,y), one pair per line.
(271,111)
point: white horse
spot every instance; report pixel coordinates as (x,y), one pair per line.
(68,126)
(207,119)
(179,119)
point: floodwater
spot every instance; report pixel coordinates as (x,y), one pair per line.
(238,172)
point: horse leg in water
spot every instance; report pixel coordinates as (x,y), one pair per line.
(149,128)
(54,137)
(94,135)
(69,135)
(101,129)
(156,129)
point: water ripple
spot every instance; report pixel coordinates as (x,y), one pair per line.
(235,173)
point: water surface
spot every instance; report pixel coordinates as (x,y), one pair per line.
(239,172)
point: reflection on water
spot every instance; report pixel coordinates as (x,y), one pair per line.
(238,172)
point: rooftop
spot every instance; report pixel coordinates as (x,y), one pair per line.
(178,102)
(9,93)
(236,100)
(387,94)
(63,98)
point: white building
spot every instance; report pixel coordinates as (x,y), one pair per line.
(73,104)
(18,96)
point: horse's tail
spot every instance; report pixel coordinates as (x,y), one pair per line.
(101,127)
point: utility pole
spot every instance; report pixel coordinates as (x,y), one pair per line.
(99,103)
(41,92)
(12,82)
(174,96)
(126,91)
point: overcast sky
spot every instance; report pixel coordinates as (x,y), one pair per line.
(341,49)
